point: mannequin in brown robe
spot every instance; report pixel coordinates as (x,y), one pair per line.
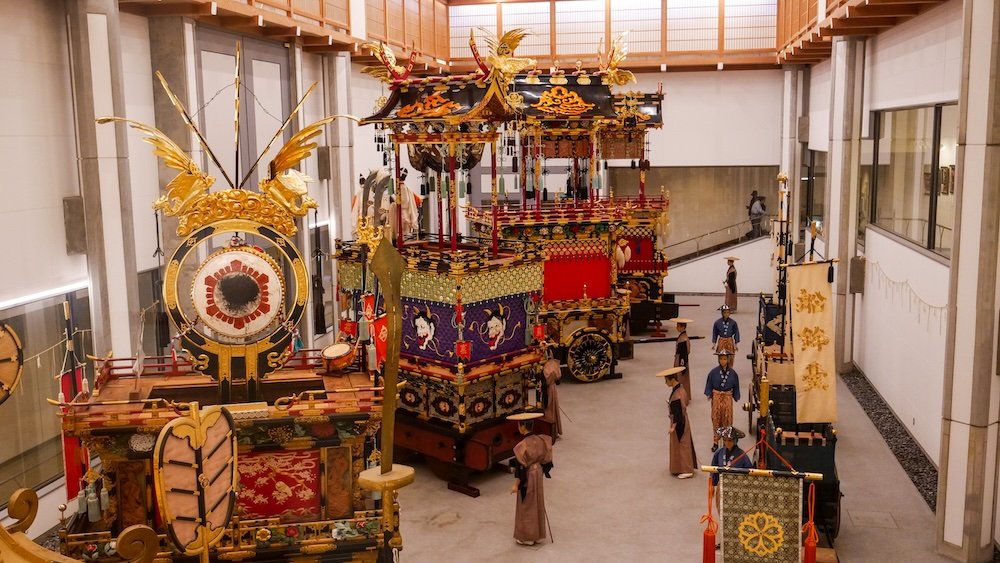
(682,353)
(533,455)
(730,282)
(683,458)
(552,372)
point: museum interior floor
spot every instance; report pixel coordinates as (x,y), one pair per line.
(611,497)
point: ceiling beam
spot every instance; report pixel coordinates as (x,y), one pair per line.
(842,32)
(241,22)
(869,10)
(181,9)
(863,22)
(281,31)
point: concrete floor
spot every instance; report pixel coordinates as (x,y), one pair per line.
(611,497)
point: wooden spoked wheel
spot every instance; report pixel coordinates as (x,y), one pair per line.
(590,356)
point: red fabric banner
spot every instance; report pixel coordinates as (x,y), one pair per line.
(566,276)
(76,458)
(380,334)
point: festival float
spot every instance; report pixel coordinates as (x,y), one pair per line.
(793,391)
(602,265)
(642,262)
(469,350)
(776,510)
(240,447)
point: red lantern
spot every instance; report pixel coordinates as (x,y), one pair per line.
(458,312)
(463,349)
(349,327)
(538,331)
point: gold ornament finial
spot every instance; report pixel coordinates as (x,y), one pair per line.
(782,177)
(369,234)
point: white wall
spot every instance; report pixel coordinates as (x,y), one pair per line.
(138,83)
(918,62)
(899,342)
(819,106)
(726,118)
(37,150)
(754,273)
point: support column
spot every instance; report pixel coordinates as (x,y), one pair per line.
(967,476)
(98,90)
(340,137)
(790,110)
(847,79)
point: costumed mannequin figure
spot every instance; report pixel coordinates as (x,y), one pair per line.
(552,373)
(725,332)
(532,461)
(729,456)
(722,388)
(683,458)
(730,282)
(682,353)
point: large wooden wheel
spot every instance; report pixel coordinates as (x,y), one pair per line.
(590,356)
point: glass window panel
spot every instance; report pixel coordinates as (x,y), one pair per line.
(693,25)
(903,198)
(817,211)
(536,19)
(865,179)
(641,19)
(947,159)
(750,24)
(581,26)
(31,455)
(479,17)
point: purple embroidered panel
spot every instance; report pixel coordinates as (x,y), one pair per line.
(493,327)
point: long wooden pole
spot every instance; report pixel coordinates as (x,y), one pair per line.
(399,200)
(452,198)
(493,197)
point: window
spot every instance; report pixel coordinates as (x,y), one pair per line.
(910,175)
(31,451)
(812,202)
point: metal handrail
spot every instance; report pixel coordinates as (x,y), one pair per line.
(765,229)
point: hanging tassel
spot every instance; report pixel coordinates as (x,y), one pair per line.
(444,187)
(500,187)
(392,186)
(809,529)
(711,526)
(597,182)
(461,188)
(385,159)
(829,273)
(513,165)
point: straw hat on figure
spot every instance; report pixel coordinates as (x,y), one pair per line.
(532,461)
(683,458)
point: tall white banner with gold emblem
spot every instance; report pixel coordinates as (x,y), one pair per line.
(809,299)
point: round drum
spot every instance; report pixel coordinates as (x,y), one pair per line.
(238,291)
(337,356)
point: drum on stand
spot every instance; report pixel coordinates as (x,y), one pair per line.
(338,356)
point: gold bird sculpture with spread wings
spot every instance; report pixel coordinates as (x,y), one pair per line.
(388,71)
(188,187)
(504,65)
(286,185)
(616,56)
